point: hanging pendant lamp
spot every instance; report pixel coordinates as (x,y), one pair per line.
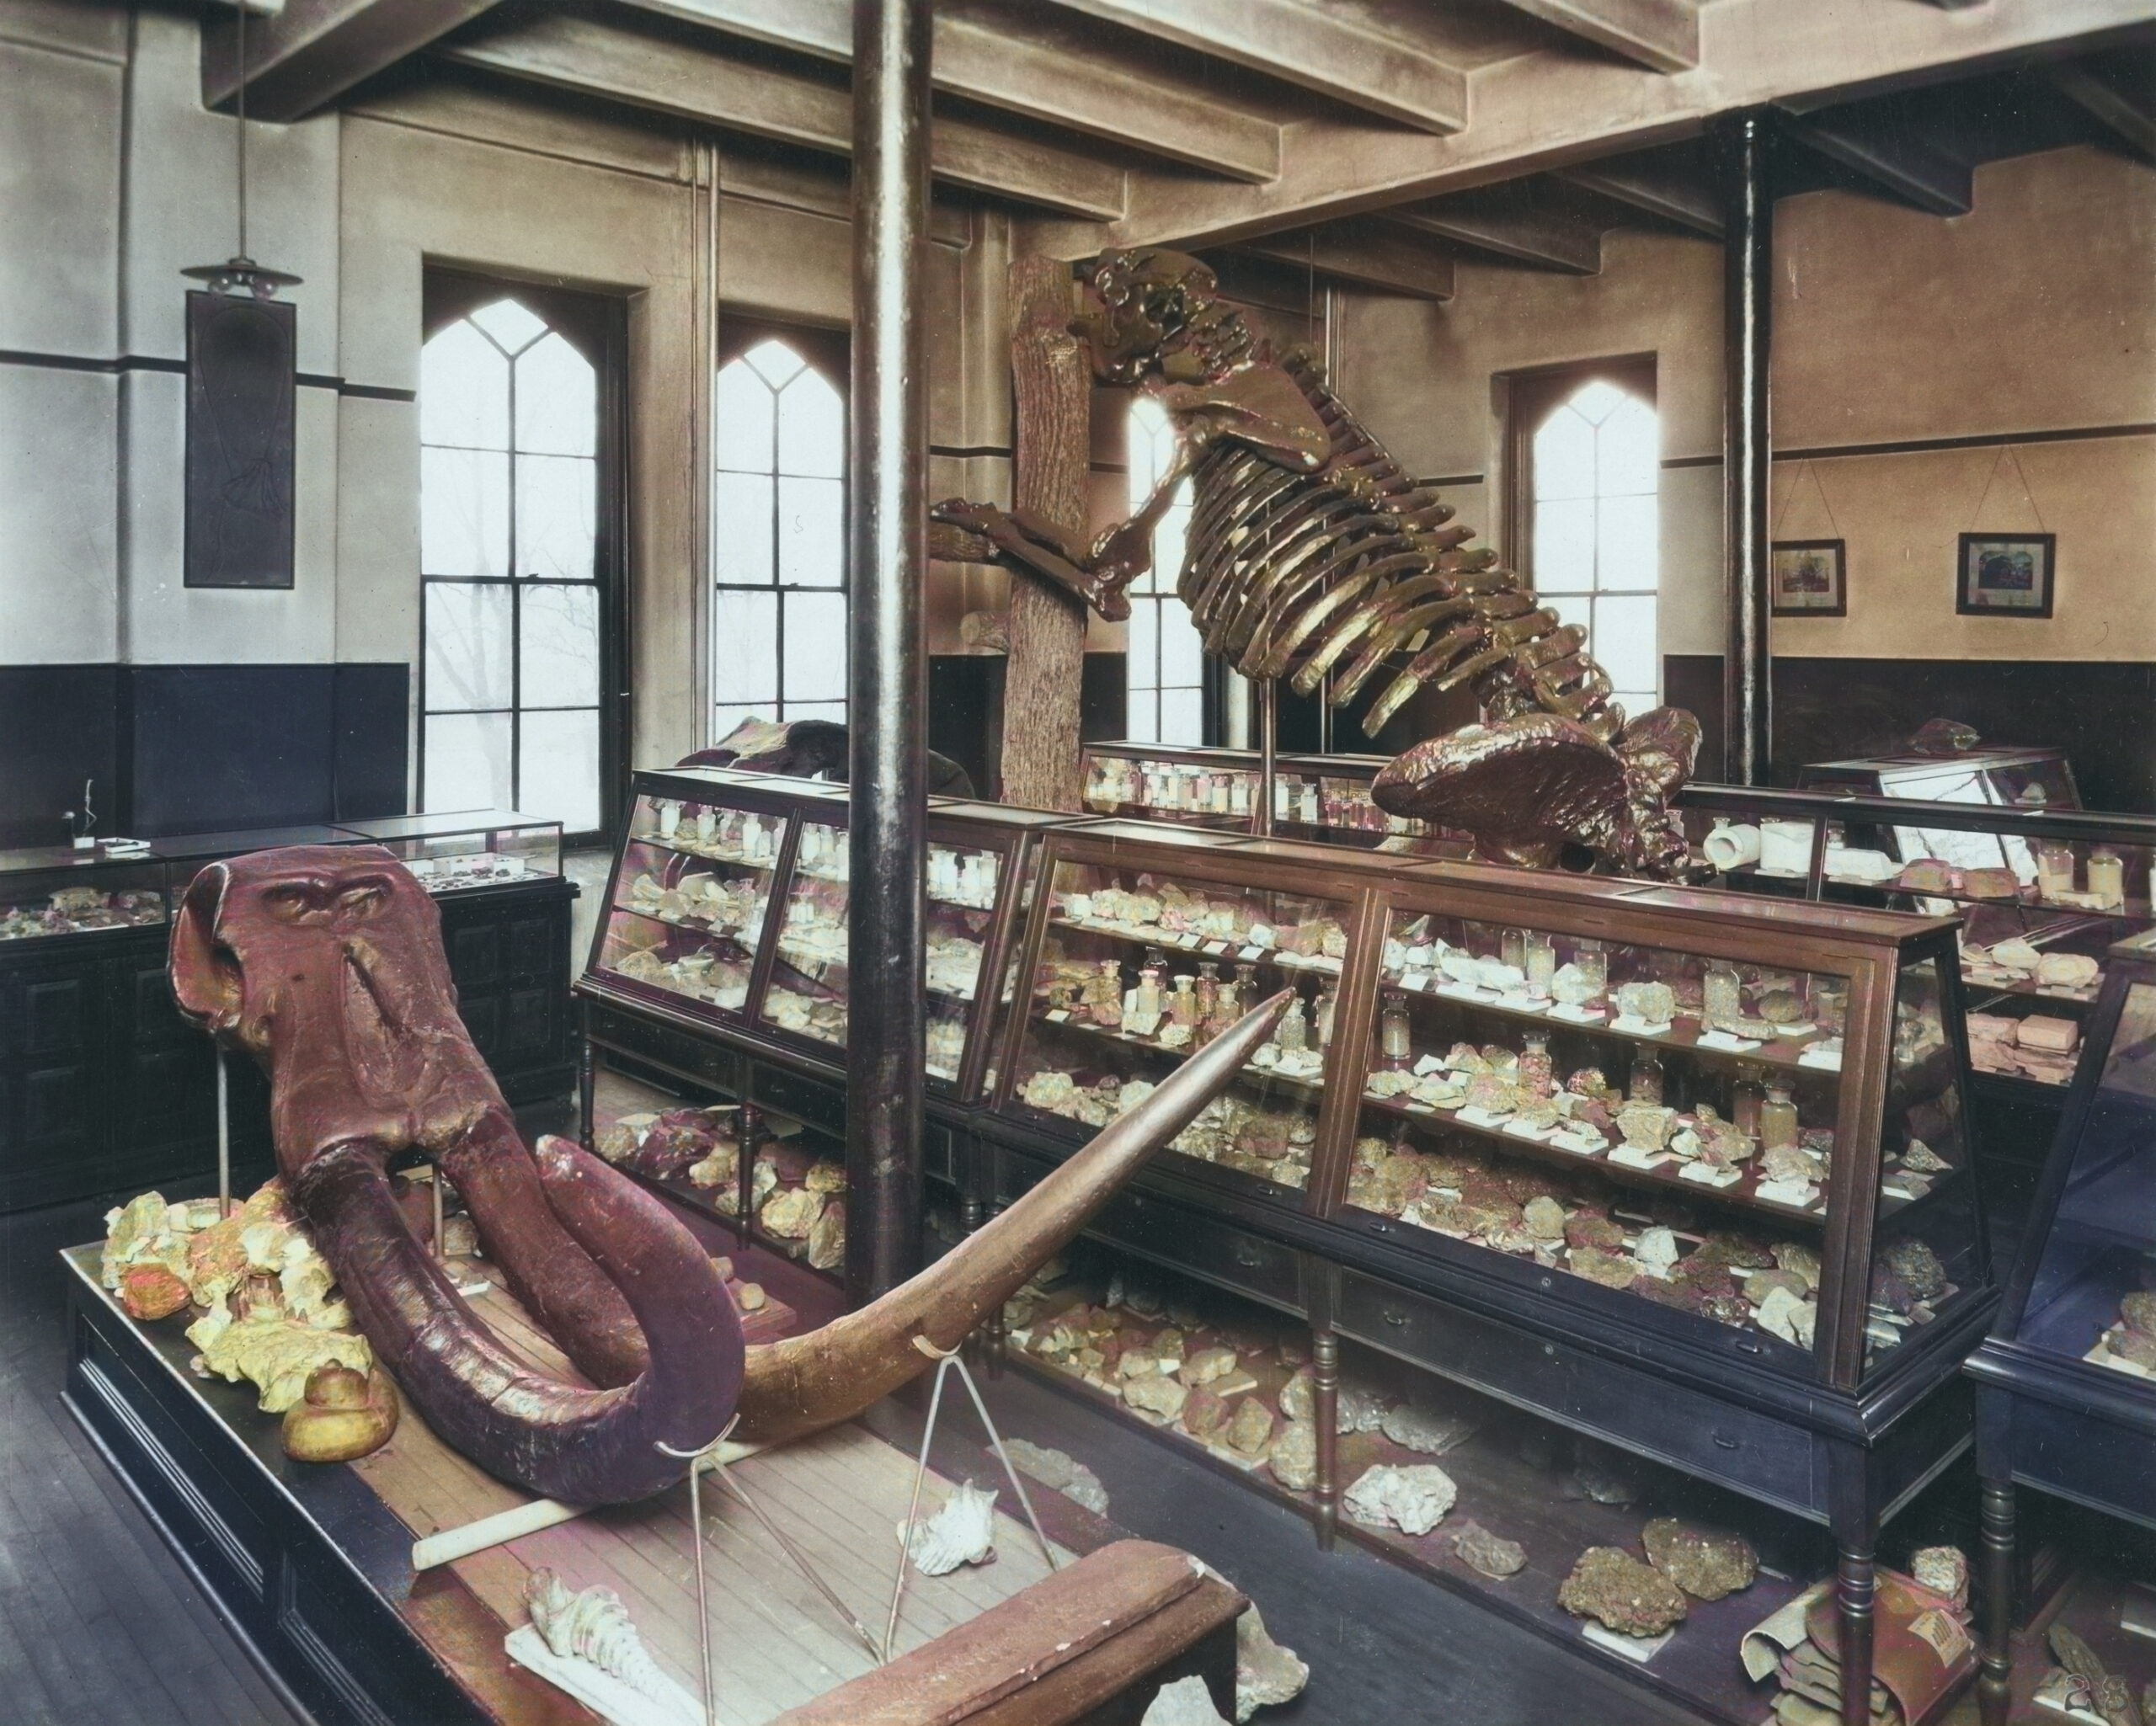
(240,273)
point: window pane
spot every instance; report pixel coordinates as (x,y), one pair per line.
(463,513)
(1563,457)
(556,497)
(463,390)
(556,399)
(744,650)
(1574,607)
(466,762)
(815,649)
(1564,546)
(1635,702)
(558,775)
(741,530)
(1142,721)
(1170,542)
(1623,641)
(468,644)
(812,533)
(1183,651)
(741,419)
(1182,716)
(1596,402)
(1629,452)
(774,361)
(724,719)
(833,711)
(1144,645)
(559,642)
(811,427)
(510,324)
(1627,557)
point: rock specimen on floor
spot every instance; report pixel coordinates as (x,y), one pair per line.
(1943,1569)
(1267,1674)
(1060,1471)
(1155,1393)
(1425,1430)
(1294,1459)
(1251,1429)
(1486,1554)
(1413,1499)
(1707,1563)
(1621,1594)
(962,1532)
(1185,1702)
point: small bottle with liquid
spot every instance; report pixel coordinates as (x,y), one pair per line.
(1645,1083)
(1537,1073)
(2107,877)
(1208,1001)
(1294,1032)
(1512,949)
(1541,965)
(1328,1004)
(1722,996)
(1396,1037)
(1746,1097)
(1777,1118)
(2054,869)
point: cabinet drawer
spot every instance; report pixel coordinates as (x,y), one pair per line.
(1701,1435)
(693,1058)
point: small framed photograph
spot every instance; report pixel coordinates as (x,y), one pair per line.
(1808,579)
(2004,575)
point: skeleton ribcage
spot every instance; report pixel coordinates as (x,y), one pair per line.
(1328,578)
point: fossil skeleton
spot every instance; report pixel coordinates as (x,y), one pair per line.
(1314,556)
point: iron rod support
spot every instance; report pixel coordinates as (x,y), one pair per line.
(887,684)
(1747,446)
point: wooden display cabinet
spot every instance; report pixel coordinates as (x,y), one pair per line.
(2066,1395)
(1588,1263)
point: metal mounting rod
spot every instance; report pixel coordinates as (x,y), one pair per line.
(887,684)
(1747,447)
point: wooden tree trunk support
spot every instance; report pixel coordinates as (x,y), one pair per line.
(1047,664)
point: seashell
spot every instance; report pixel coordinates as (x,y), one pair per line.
(593,1625)
(1413,1499)
(962,1532)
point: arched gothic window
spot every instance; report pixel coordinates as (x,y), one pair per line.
(1594,463)
(778,616)
(1167,676)
(511,664)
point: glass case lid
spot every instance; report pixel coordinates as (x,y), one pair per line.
(446,825)
(205,847)
(39,859)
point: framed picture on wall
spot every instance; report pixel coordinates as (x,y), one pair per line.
(1808,579)
(2004,575)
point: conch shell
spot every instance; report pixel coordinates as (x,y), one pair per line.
(594,1625)
(962,1532)
(342,1416)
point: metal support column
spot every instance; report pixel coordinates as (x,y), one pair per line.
(1748,346)
(887,682)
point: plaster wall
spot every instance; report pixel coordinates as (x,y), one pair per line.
(2034,313)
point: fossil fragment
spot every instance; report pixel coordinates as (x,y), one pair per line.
(1705,1563)
(962,1532)
(593,1625)
(827,1237)
(1617,1591)
(341,1415)
(1413,1499)
(1486,1554)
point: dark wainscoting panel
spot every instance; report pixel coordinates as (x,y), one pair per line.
(59,726)
(2101,712)
(371,751)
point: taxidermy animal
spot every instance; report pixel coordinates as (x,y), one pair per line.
(1314,556)
(325,963)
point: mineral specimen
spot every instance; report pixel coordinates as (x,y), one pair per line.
(962,1532)
(1251,1429)
(1267,1674)
(1059,1471)
(1206,1365)
(1616,1589)
(1156,1394)
(1545,1218)
(1185,1702)
(1424,1429)
(151,1290)
(1485,1553)
(1293,1457)
(1706,1562)
(1610,1270)
(1916,1264)
(792,1215)
(1943,1569)
(1413,1499)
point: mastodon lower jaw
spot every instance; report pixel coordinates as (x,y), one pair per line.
(807,1383)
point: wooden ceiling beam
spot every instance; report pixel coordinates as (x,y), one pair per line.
(1364,255)
(1654,190)
(1661,34)
(1023,74)
(595,59)
(307,53)
(1893,158)
(2127,119)
(1305,42)
(1541,239)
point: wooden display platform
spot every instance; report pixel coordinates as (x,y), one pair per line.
(313,1564)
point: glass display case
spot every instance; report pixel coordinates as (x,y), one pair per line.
(1728,1122)
(59,891)
(1324,797)
(2041,892)
(2025,779)
(453,852)
(728,908)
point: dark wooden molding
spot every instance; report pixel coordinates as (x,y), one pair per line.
(1365,255)
(304,56)
(1541,239)
(1663,35)
(1894,159)
(1654,190)
(2129,119)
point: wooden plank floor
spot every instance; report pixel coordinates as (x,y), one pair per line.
(100,1625)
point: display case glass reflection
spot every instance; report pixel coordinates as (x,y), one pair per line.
(55,891)
(1137,971)
(475,849)
(691,889)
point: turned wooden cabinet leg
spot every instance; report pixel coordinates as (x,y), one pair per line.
(1856,1585)
(587,1090)
(745,1175)
(1325,1409)
(1994,1688)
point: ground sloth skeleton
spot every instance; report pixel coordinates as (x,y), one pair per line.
(1314,556)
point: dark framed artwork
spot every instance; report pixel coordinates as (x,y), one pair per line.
(1808,579)
(242,357)
(2004,575)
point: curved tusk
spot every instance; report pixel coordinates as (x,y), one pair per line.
(807,1383)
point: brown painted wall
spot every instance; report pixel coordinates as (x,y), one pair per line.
(2034,312)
